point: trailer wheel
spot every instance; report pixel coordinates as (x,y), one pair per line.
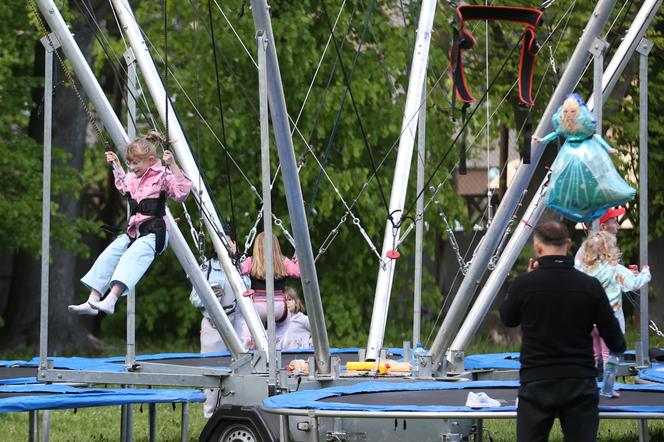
(240,424)
(238,432)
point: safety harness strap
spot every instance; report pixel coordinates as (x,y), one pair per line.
(155,207)
(463,40)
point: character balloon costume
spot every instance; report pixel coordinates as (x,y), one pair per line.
(584,182)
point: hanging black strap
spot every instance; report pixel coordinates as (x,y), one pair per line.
(464,40)
(527,137)
(462,153)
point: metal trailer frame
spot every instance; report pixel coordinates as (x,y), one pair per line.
(158,374)
(416,87)
(517,241)
(312,418)
(513,195)
(536,207)
(149,373)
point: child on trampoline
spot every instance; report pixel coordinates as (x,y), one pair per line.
(122,264)
(601,260)
(254,267)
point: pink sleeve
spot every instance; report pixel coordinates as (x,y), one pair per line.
(120,177)
(292,267)
(177,186)
(246,266)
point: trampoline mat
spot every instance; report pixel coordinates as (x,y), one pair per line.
(26,393)
(17,372)
(506,396)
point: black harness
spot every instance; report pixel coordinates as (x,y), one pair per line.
(463,40)
(155,207)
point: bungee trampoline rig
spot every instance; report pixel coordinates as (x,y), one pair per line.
(322,397)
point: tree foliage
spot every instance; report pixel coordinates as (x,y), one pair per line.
(347,96)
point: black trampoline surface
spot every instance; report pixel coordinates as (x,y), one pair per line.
(506,396)
(17,372)
(27,393)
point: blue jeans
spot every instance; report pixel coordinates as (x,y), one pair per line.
(119,263)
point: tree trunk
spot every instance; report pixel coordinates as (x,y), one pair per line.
(70,122)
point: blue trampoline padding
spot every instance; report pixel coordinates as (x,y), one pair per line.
(15,363)
(492,360)
(653,374)
(311,398)
(53,397)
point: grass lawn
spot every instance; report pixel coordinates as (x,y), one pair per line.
(103,424)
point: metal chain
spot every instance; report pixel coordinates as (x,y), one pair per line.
(279,223)
(70,77)
(463,266)
(508,229)
(199,238)
(356,222)
(330,237)
(251,236)
(656,329)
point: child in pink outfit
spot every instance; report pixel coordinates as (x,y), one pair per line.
(122,264)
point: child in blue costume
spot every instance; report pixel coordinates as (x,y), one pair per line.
(584,182)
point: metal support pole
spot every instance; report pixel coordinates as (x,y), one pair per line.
(188,164)
(184,425)
(494,282)
(520,181)
(131,133)
(644,434)
(46,425)
(291,180)
(46,196)
(629,43)
(123,422)
(419,217)
(266,176)
(152,422)
(643,49)
(132,92)
(401,171)
(33,425)
(597,50)
(84,74)
(614,70)
(199,281)
(126,422)
(284,432)
(120,139)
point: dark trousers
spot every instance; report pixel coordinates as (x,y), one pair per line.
(574,401)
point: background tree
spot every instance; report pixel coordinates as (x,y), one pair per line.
(339,126)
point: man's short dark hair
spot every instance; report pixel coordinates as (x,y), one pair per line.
(552,233)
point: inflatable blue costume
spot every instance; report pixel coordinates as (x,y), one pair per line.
(584,182)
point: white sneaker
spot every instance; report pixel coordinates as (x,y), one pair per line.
(481,400)
(107,305)
(84,309)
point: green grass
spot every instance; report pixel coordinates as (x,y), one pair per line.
(103,424)
(610,430)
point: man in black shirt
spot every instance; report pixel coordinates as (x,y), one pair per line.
(556,307)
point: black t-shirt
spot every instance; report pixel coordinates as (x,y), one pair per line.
(557,306)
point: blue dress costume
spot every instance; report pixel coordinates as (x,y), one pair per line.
(584,182)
